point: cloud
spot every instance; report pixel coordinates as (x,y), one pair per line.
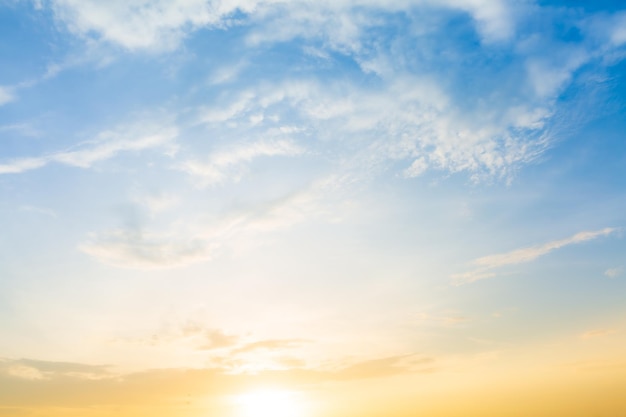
(618,29)
(228,164)
(597,333)
(190,334)
(156,202)
(384,367)
(228,73)
(486,264)
(38,370)
(39,210)
(98,387)
(195,239)
(6,96)
(495,19)
(419,116)
(408,118)
(23,164)
(533,252)
(161,25)
(24,129)
(106,145)
(142,24)
(136,249)
(614,272)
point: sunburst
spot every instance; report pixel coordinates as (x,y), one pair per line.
(270,403)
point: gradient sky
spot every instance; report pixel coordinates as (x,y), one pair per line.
(372,207)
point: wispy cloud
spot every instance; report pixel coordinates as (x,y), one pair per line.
(39,210)
(597,333)
(24,129)
(106,145)
(614,272)
(38,370)
(155,203)
(270,344)
(140,250)
(197,239)
(229,164)
(191,334)
(487,264)
(412,119)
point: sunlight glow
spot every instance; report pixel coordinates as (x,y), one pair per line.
(270,403)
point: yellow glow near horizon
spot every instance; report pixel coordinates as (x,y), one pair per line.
(270,403)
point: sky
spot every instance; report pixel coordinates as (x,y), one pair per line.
(355,208)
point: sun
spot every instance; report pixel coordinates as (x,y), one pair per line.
(270,403)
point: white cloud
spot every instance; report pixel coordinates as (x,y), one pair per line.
(548,77)
(494,18)
(228,73)
(614,272)
(418,119)
(533,252)
(106,145)
(24,129)
(156,202)
(6,95)
(486,264)
(143,24)
(410,118)
(618,29)
(23,164)
(227,164)
(162,24)
(417,168)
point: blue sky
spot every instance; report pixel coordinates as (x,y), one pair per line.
(354,179)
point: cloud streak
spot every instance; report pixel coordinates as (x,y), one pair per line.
(487,264)
(106,145)
(229,164)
